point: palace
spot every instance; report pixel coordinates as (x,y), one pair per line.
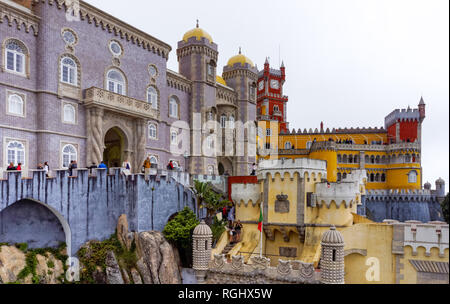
(79,84)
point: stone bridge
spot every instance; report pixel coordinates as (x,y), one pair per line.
(44,212)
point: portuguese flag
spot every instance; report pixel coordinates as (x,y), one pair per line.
(260,223)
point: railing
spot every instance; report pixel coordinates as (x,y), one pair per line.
(120,103)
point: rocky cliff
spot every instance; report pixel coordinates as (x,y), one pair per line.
(126,258)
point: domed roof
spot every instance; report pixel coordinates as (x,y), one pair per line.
(427,186)
(202,230)
(332,236)
(440,181)
(221,80)
(198,33)
(240,59)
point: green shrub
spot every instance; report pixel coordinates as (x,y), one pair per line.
(218,228)
(180,229)
(22,247)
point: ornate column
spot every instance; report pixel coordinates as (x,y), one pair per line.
(95,136)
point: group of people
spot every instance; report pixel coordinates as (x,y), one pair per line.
(234,227)
(11,167)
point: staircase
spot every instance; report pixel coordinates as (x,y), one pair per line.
(228,248)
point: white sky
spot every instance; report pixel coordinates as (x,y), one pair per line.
(349,63)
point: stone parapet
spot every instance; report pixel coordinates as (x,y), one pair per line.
(292,166)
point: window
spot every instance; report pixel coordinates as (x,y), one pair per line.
(276,109)
(115,48)
(69,37)
(15,105)
(69,115)
(412,177)
(173,107)
(383,178)
(152,97)
(308,145)
(152,131)
(231,122)
(68,71)
(339,177)
(15,57)
(210,116)
(154,161)
(210,170)
(116,82)
(69,154)
(210,142)
(288,146)
(174,138)
(223,121)
(210,70)
(268,132)
(153,71)
(16,153)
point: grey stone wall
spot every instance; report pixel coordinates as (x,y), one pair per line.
(88,207)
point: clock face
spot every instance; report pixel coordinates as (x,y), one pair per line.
(261,85)
(275,84)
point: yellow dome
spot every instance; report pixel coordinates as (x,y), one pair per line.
(221,80)
(240,59)
(198,33)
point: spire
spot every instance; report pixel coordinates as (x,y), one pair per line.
(267,60)
(240,50)
(282,64)
(422,102)
(197,24)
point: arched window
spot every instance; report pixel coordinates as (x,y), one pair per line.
(383,178)
(116,82)
(372,159)
(210,170)
(377,160)
(69,154)
(377,177)
(223,121)
(15,105)
(407,158)
(339,158)
(152,131)
(15,57)
(309,145)
(288,146)
(69,71)
(16,153)
(154,161)
(344,176)
(344,159)
(231,122)
(69,114)
(412,177)
(210,142)
(339,177)
(372,177)
(174,138)
(350,159)
(356,159)
(173,107)
(276,109)
(152,97)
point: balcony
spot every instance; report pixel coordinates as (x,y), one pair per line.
(120,103)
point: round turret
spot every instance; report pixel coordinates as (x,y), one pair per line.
(427,186)
(332,257)
(440,187)
(202,243)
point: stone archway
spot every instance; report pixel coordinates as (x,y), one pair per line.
(115,143)
(225,166)
(35,223)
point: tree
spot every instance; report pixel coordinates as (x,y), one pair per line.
(179,232)
(209,199)
(445,208)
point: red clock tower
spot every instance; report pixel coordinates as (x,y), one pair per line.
(271,103)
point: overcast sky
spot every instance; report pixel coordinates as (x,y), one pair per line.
(349,63)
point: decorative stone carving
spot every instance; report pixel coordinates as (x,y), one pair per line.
(290,252)
(219,261)
(284,267)
(282,204)
(260,262)
(237,262)
(306,271)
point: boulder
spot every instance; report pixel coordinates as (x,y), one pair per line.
(149,243)
(122,232)
(113,273)
(12,261)
(168,270)
(144,271)
(126,277)
(136,276)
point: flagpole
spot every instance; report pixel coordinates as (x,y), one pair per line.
(261,242)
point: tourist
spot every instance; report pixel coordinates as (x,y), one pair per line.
(147,166)
(253,169)
(46,169)
(93,166)
(126,168)
(170,166)
(102,166)
(73,165)
(19,167)
(231,217)
(238,228)
(11,167)
(40,167)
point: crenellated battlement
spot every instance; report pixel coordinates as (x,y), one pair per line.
(246,193)
(292,166)
(259,271)
(402,115)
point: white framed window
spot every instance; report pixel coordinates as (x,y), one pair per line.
(15,153)
(69,114)
(412,177)
(174,138)
(153,71)
(210,142)
(223,121)
(69,154)
(16,105)
(210,170)
(69,71)
(288,146)
(115,48)
(210,70)
(69,37)
(232,122)
(152,131)
(15,56)
(153,160)
(173,107)
(116,82)
(268,132)
(210,116)
(152,97)
(308,145)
